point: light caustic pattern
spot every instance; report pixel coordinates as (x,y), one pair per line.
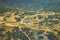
(29,25)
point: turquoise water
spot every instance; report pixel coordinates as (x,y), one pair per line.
(47,5)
